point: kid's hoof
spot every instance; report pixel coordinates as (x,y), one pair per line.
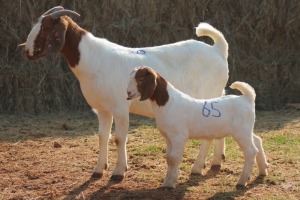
(240,187)
(97,175)
(223,157)
(117,178)
(215,167)
(167,188)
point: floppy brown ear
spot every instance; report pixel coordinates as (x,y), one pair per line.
(56,39)
(148,86)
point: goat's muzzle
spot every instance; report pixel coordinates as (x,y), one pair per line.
(129,96)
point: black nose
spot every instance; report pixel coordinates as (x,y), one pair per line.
(128,93)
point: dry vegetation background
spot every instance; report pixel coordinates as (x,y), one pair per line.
(263,38)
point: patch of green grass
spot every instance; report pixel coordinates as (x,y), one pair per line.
(193,144)
(185,167)
(286,146)
(147,150)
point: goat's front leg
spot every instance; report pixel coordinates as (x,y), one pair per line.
(174,156)
(122,125)
(105,122)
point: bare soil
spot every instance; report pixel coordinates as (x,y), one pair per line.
(53,156)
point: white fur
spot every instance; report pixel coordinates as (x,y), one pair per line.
(184,117)
(194,67)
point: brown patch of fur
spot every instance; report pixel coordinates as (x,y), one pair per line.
(40,40)
(117,142)
(72,39)
(145,83)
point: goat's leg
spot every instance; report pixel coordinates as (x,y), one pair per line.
(200,161)
(105,123)
(122,125)
(261,156)
(250,151)
(219,153)
(174,156)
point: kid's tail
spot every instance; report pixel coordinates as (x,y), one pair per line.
(245,89)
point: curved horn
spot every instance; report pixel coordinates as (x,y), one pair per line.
(54,9)
(22,45)
(60,13)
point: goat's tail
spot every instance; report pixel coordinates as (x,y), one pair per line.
(204,29)
(245,89)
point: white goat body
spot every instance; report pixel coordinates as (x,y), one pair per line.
(102,69)
(180,117)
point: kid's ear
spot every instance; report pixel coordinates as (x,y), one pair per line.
(148,86)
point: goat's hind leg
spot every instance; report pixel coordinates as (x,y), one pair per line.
(105,123)
(250,152)
(261,156)
(219,154)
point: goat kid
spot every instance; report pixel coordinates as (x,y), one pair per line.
(102,69)
(180,117)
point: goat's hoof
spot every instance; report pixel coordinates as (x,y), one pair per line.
(215,167)
(117,178)
(168,188)
(262,174)
(96,175)
(223,157)
(196,174)
(240,187)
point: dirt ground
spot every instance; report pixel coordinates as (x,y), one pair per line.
(53,156)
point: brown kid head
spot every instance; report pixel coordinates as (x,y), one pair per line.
(142,83)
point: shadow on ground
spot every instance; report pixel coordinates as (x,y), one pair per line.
(110,192)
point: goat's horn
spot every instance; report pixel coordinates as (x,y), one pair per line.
(22,45)
(54,9)
(60,13)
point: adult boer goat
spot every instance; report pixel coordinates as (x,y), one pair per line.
(102,68)
(180,117)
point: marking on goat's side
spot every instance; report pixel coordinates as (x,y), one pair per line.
(139,51)
(135,51)
(212,111)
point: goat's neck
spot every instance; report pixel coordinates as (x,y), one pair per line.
(73,37)
(169,97)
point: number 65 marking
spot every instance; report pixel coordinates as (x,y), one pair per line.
(206,112)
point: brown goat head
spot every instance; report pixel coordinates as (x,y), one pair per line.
(48,34)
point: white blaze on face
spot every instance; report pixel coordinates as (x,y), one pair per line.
(29,46)
(132,90)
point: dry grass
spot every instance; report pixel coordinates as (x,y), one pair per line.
(32,168)
(262,35)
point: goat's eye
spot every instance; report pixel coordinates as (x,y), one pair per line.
(140,80)
(38,50)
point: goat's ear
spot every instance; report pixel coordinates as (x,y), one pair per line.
(56,39)
(148,86)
